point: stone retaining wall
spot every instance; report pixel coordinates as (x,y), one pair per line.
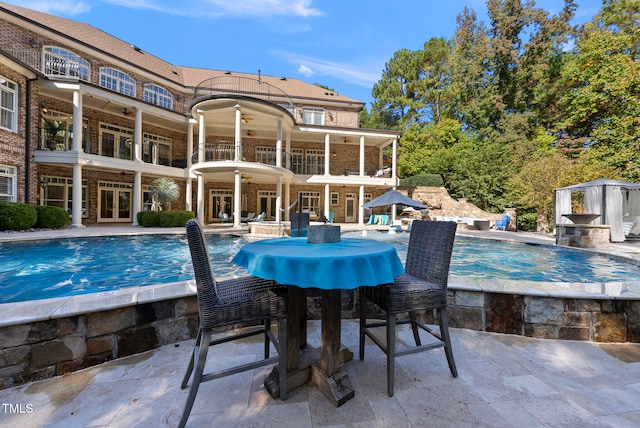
(49,348)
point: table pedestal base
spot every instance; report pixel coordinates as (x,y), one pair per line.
(309,359)
(336,388)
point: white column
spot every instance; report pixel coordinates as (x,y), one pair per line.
(77,121)
(360,208)
(327,154)
(394,163)
(76,206)
(287,200)
(279,144)
(288,150)
(237,196)
(362,171)
(137,136)
(76,191)
(201,140)
(327,196)
(137,196)
(189,184)
(238,136)
(279,200)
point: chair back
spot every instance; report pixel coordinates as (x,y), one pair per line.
(430,249)
(202,269)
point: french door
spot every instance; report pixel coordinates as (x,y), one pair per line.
(350,208)
(114,202)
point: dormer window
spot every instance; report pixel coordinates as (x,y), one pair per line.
(117,81)
(63,63)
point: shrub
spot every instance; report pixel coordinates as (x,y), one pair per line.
(17,216)
(51,217)
(527,222)
(431,180)
(164,218)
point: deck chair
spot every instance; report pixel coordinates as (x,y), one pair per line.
(503,223)
(423,286)
(244,300)
(224,217)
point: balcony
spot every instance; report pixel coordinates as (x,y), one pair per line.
(241,86)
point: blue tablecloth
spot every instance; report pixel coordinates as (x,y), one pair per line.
(347,264)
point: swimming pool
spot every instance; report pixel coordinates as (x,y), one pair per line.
(56,268)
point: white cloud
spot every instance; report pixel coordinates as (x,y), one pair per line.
(59,7)
(304,70)
(219,8)
(355,74)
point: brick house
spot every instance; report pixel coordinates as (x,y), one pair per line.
(88,117)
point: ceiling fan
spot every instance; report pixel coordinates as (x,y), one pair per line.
(347,140)
(251,133)
(244,118)
(128,113)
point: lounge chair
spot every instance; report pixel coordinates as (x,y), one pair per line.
(422,287)
(503,223)
(261,217)
(372,219)
(224,217)
(243,300)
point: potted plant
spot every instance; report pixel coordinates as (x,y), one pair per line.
(163,190)
(54,132)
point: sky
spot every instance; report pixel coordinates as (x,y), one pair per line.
(342,44)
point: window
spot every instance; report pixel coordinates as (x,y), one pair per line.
(58,192)
(313,116)
(335,198)
(8,105)
(266,155)
(311,203)
(159,96)
(117,81)
(315,161)
(8,183)
(296,161)
(57,131)
(61,62)
(116,142)
(156,149)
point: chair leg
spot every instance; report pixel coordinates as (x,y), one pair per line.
(414,327)
(282,353)
(363,319)
(205,338)
(391,352)
(444,332)
(194,353)
(267,341)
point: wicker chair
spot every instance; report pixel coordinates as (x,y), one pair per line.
(423,286)
(223,303)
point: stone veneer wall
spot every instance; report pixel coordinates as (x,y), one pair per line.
(44,349)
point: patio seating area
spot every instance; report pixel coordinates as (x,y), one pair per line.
(504,381)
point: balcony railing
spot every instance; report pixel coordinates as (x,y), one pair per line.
(243,86)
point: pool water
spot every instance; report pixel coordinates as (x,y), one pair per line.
(57,268)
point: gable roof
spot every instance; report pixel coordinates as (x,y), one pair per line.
(94,39)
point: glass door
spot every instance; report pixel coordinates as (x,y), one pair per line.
(114,202)
(267,204)
(350,208)
(220,201)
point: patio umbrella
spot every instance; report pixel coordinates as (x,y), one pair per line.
(393,197)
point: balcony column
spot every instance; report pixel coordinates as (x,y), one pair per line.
(362,171)
(288,150)
(237,199)
(137,136)
(189,183)
(238,136)
(327,154)
(287,200)
(279,144)
(137,196)
(327,200)
(394,162)
(360,208)
(76,191)
(201,140)
(279,200)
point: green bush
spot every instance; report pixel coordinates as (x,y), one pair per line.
(50,217)
(527,222)
(431,180)
(17,216)
(164,218)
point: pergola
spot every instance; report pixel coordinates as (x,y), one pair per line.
(612,199)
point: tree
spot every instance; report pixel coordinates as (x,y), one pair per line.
(163,190)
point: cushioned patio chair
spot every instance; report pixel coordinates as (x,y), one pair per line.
(503,223)
(224,217)
(423,286)
(244,300)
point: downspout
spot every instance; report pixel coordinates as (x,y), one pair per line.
(27,145)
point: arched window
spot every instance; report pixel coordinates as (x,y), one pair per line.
(159,96)
(117,81)
(61,62)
